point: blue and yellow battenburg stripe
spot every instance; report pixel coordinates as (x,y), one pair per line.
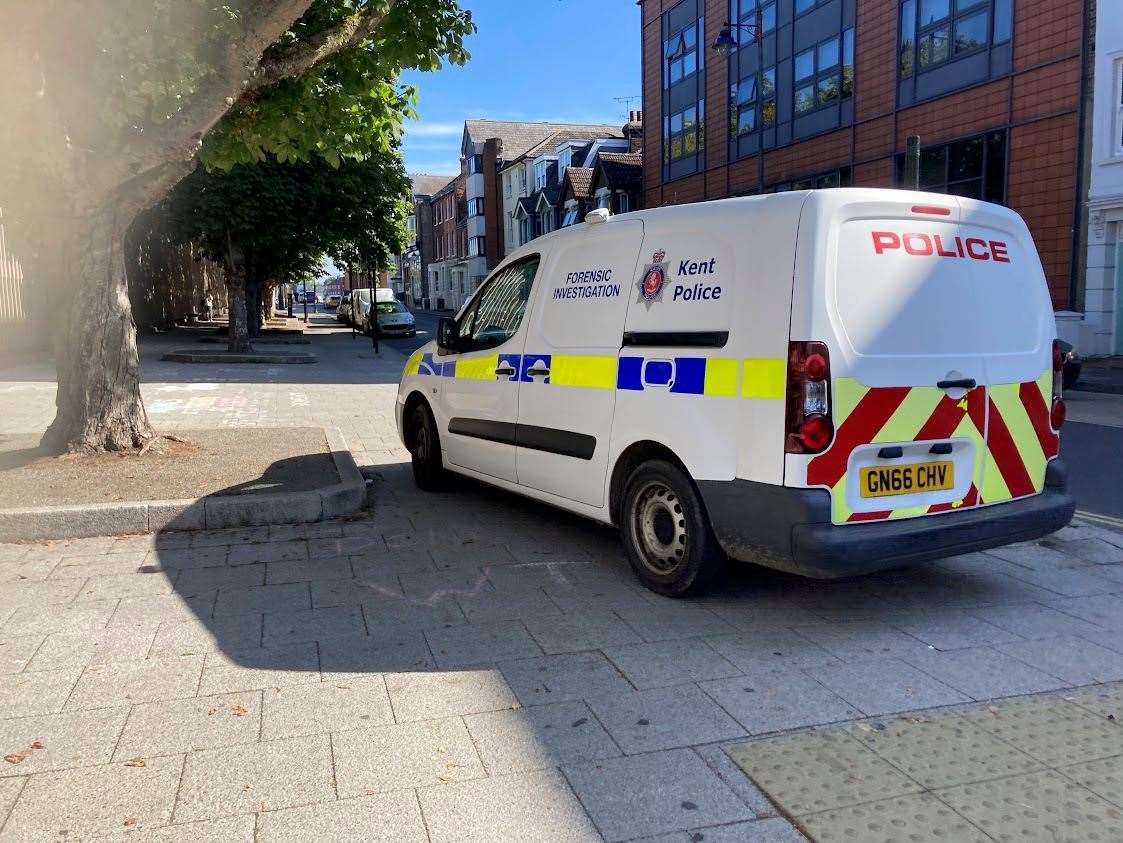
(756,377)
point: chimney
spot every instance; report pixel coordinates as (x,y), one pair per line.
(633,131)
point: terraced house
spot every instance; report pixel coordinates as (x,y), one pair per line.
(825,93)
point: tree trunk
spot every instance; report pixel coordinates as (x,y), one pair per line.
(98,401)
(239,326)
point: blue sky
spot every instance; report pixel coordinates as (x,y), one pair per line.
(556,60)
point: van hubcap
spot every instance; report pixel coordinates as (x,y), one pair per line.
(659,527)
(421,442)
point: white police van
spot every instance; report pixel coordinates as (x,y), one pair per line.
(825,382)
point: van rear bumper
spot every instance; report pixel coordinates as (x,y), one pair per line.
(791,530)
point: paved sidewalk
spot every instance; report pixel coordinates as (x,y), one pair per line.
(469,665)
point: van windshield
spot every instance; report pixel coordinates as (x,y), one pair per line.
(389,307)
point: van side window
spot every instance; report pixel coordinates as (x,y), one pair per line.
(495,315)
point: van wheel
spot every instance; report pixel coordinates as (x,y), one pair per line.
(425,450)
(666,532)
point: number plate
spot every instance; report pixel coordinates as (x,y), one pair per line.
(909,479)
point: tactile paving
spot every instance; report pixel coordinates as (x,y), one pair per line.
(819,771)
(1052,730)
(1104,700)
(942,750)
(917,819)
(1038,806)
(1104,778)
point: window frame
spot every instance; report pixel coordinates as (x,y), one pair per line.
(757,103)
(464,343)
(475,164)
(476,206)
(682,133)
(844,46)
(984,173)
(672,57)
(1117,118)
(745,11)
(479,245)
(959,12)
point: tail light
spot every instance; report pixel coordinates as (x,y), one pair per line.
(808,428)
(1057,411)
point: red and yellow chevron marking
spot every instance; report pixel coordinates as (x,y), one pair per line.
(1009,425)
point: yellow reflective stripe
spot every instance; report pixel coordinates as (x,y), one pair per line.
(721,376)
(765,377)
(477,368)
(910,416)
(1006,398)
(413,365)
(589,371)
(845,395)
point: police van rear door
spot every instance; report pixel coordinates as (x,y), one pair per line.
(567,381)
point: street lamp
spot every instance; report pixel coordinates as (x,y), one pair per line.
(726,43)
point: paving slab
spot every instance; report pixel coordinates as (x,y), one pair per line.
(58,741)
(199,635)
(655,793)
(203,580)
(179,726)
(778,699)
(667,620)
(404,756)
(568,676)
(883,686)
(320,707)
(95,801)
(1077,661)
(17,650)
(579,631)
(388,817)
(258,777)
(383,652)
(253,668)
(78,649)
(528,806)
(1034,621)
(539,737)
(114,683)
(312,625)
(41,692)
(238,829)
(10,790)
(337,568)
(480,644)
(426,695)
(663,718)
(984,673)
(87,616)
(656,665)
(766,647)
(772,830)
(291,597)
(919,817)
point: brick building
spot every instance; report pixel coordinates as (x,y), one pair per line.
(449,283)
(831,89)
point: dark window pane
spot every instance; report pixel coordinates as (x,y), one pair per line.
(746,91)
(676,123)
(768,114)
(934,47)
(828,89)
(964,5)
(805,99)
(805,64)
(690,63)
(848,81)
(933,167)
(965,159)
(746,120)
(848,46)
(1003,21)
(690,145)
(828,54)
(932,11)
(908,21)
(804,5)
(907,57)
(802,184)
(768,82)
(690,37)
(676,71)
(971,33)
(972,189)
(676,147)
(996,167)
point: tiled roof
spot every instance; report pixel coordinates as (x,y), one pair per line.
(622,169)
(581,178)
(527,203)
(426,185)
(519,137)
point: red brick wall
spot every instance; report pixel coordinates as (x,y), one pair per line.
(1038,103)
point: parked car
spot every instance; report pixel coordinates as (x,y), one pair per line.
(332,301)
(394,320)
(827,382)
(343,312)
(1072,364)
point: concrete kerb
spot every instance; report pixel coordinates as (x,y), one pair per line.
(346,497)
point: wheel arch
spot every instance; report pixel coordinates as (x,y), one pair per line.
(412,401)
(632,456)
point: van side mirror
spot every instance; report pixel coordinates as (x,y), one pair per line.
(447,333)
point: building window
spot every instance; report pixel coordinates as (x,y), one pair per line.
(681,56)
(565,159)
(476,207)
(1117,141)
(507,185)
(934,32)
(541,172)
(974,167)
(754,102)
(819,181)
(522,178)
(475,164)
(824,74)
(622,204)
(476,247)
(570,214)
(745,12)
(802,6)
(684,133)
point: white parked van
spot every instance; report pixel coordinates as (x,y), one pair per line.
(826,382)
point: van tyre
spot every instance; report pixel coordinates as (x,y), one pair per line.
(666,533)
(425,449)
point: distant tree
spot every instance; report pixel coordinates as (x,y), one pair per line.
(270,223)
(108,104)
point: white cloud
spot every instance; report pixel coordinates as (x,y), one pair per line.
(434,129)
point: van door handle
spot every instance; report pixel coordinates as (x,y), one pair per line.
(538,371)
(962,383)
(505,371)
